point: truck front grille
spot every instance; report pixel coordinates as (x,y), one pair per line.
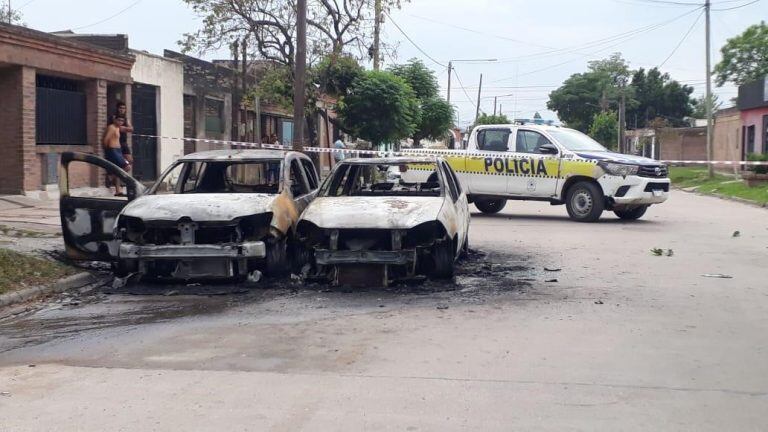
(655,171)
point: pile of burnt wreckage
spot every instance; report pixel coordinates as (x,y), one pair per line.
(238,214)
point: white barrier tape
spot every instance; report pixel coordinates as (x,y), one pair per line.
(420,152)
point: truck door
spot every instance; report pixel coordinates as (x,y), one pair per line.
(533,173)
(486,174)
(88,216)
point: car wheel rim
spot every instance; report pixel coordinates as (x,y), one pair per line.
(582,202)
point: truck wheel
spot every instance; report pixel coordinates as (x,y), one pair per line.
(585,202)
(632,213)
(276,260)
(443,258)
(490,206)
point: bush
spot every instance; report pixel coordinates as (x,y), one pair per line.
(757,157)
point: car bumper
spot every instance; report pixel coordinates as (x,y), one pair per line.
(635,190)
(196,251)
(331,257)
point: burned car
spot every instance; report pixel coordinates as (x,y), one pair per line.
(368,226)
(213,214)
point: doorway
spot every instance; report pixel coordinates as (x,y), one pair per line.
(144,104)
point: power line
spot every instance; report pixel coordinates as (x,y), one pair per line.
(685,36)
(736,7)
(461,84)
(110,17)
(412,42)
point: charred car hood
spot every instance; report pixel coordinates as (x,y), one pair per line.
(198,207)
(388,212)
(618,157)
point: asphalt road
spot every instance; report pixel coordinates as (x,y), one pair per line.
(622,340)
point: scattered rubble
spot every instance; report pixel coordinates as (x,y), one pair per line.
(717,275)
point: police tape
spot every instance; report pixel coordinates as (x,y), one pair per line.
(415,152)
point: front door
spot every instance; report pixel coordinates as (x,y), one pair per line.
(144,100)
(535,174)
(88,220)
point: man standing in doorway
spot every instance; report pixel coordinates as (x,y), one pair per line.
(113,153)
(122,112)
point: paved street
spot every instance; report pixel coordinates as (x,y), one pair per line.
(618,339)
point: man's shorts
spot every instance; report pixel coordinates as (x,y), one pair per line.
(115,156)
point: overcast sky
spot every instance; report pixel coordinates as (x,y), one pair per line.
(538,44)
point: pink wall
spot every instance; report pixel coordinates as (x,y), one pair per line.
(755,117)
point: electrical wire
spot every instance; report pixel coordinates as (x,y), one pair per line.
(109,17)
(685,36)
(412,42)
(736,7)
(461,84)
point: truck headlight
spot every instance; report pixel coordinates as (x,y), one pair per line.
(619,169)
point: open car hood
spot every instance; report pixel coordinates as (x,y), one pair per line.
(385,212)
(198,207)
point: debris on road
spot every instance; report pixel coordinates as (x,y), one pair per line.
(736,234)
(551,280)
(552,269)
(657,251)
(254,276)
(598,302)
(670,252)
(717,275)
(442,306)
(6,394)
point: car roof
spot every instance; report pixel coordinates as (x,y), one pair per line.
(521,125)
(235,154)
(391,160)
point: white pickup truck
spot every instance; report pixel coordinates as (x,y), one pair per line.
(557,165)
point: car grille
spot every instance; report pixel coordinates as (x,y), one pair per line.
(656,171)
(203,235)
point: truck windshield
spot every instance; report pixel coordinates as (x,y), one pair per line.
(261,176)
(384,179)
(576,141)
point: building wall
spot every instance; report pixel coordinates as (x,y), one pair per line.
(12,130)
(683,144)
(754,117)
(727,145)
(168,76)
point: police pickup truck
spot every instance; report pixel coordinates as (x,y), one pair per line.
(558,165)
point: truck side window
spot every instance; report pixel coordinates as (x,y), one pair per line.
(529,141)
(493,140)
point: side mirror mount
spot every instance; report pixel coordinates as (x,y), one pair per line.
(548,148)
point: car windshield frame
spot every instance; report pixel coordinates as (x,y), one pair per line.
(399,188)
(567,137)
(189,163)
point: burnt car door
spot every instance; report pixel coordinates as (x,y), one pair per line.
(87,218)
(458,198)
(302,185)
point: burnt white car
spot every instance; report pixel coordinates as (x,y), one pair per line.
(214,214)
(368,226)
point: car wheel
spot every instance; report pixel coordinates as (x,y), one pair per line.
(443,260)
(490,206)
(632,213)
(276,261)
(585,202)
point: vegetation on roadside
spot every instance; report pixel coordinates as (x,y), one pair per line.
(19,271)
(687,177)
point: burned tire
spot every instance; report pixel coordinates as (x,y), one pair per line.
(585,202)
(443,260)
(276,262)
(299,257)
(632,213)
(464,254)
(490,206)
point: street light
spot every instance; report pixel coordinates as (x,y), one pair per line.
(450,66)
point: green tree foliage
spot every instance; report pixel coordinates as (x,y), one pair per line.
(490,119)
(604,129)
(578,99)
(10,17)
(336,73)
(380,107)
(745,57)
(657,95)
(436,114)
(700,106)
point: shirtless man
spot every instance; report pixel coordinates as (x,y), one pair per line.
(112,151)
(125,129)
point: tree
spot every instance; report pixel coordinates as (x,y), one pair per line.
(486,119)
(745,57)
(436,114)
(604,129)
(578,100)
(10,16)
(657,95)
(700,106)
(379,107)
(336,73)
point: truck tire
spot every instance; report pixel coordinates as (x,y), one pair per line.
(443,259)
(632,213)
(490,206)
(276,262)
(585,202)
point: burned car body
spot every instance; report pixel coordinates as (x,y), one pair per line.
(367,226)
(215,214)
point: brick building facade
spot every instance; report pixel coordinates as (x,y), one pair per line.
(54,94)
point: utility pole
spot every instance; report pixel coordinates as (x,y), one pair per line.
(299,75)
(494,106)
(450,66)
(479,89)
(622,114)
(10,13)
(708,98)
(500,112)
(376,34)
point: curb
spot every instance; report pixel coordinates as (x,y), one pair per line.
(70,282)
(724,197)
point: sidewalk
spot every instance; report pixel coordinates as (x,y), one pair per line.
(30,214)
